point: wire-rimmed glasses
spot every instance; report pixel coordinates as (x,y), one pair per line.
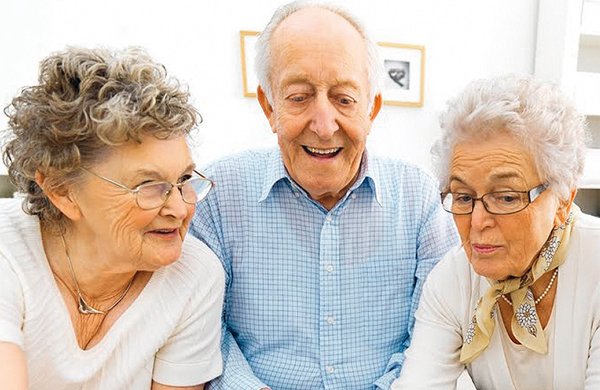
(153,195)
(500,202)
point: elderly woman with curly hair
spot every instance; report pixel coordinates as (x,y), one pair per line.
(518,303)
(99,286)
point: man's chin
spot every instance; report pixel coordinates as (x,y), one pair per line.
(324,190)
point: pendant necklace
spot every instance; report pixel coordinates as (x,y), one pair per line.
(84,307)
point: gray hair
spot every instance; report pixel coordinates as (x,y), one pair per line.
(263,45)
(87,101)
(536,113)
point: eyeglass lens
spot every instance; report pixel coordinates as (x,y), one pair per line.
(495,202)
(154,195)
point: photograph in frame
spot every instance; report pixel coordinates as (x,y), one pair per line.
(404,74)
(247,46)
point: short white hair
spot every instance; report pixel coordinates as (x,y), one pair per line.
(536,113)
(264,56)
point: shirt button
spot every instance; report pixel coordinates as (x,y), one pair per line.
(329,218)
(330,320)
(329,268)
(297,194)
(330,369)
(353,196)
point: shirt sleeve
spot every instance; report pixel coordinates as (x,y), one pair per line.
(433,359)
(192,354)
(237,373)
(437,235)
(12,307)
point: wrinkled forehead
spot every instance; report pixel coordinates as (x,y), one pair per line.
(500,158)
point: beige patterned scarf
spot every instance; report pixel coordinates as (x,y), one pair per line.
(525,324)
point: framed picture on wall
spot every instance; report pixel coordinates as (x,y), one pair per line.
(247,46)
(404,74)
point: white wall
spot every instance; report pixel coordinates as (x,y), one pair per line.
(198,41)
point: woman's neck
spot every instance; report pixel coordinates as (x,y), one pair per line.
(538,288)
(99,277)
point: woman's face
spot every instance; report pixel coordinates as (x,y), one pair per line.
(112,222)
(499,246)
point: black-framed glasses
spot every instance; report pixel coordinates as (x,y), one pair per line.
(500,202)
(154,195)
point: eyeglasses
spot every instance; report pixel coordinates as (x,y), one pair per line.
(153,195)
(501,202)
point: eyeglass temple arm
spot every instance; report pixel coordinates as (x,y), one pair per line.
(205,178)
(535,192)
(133,191)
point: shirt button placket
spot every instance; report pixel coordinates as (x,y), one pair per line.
(330,326)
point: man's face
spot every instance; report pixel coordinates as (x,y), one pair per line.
(320,108)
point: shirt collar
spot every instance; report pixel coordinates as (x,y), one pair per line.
(370,174)
(276,171)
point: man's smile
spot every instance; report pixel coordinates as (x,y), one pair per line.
(322,153)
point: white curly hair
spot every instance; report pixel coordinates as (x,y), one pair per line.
(536,113)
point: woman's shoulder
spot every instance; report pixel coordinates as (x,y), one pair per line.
(588,224)
(453,278)
(20,238)
(11,213)
(454,264)
(190,283)
(196,264)
(585,239)
(584,248)
(452,289)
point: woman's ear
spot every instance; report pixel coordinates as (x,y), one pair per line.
(564,208)
(62,198)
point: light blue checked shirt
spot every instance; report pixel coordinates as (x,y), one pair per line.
(318,299)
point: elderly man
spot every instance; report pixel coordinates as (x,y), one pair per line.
(325,247)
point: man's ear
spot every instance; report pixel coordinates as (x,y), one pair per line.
(377,102)
(374,111)
(62,198)
(266,107)
(564,208)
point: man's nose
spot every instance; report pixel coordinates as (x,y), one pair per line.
(324,117)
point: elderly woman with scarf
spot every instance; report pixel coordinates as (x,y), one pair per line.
(518,303)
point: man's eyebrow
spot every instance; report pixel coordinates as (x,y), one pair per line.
(347,83)
(305,79)
(295,79)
